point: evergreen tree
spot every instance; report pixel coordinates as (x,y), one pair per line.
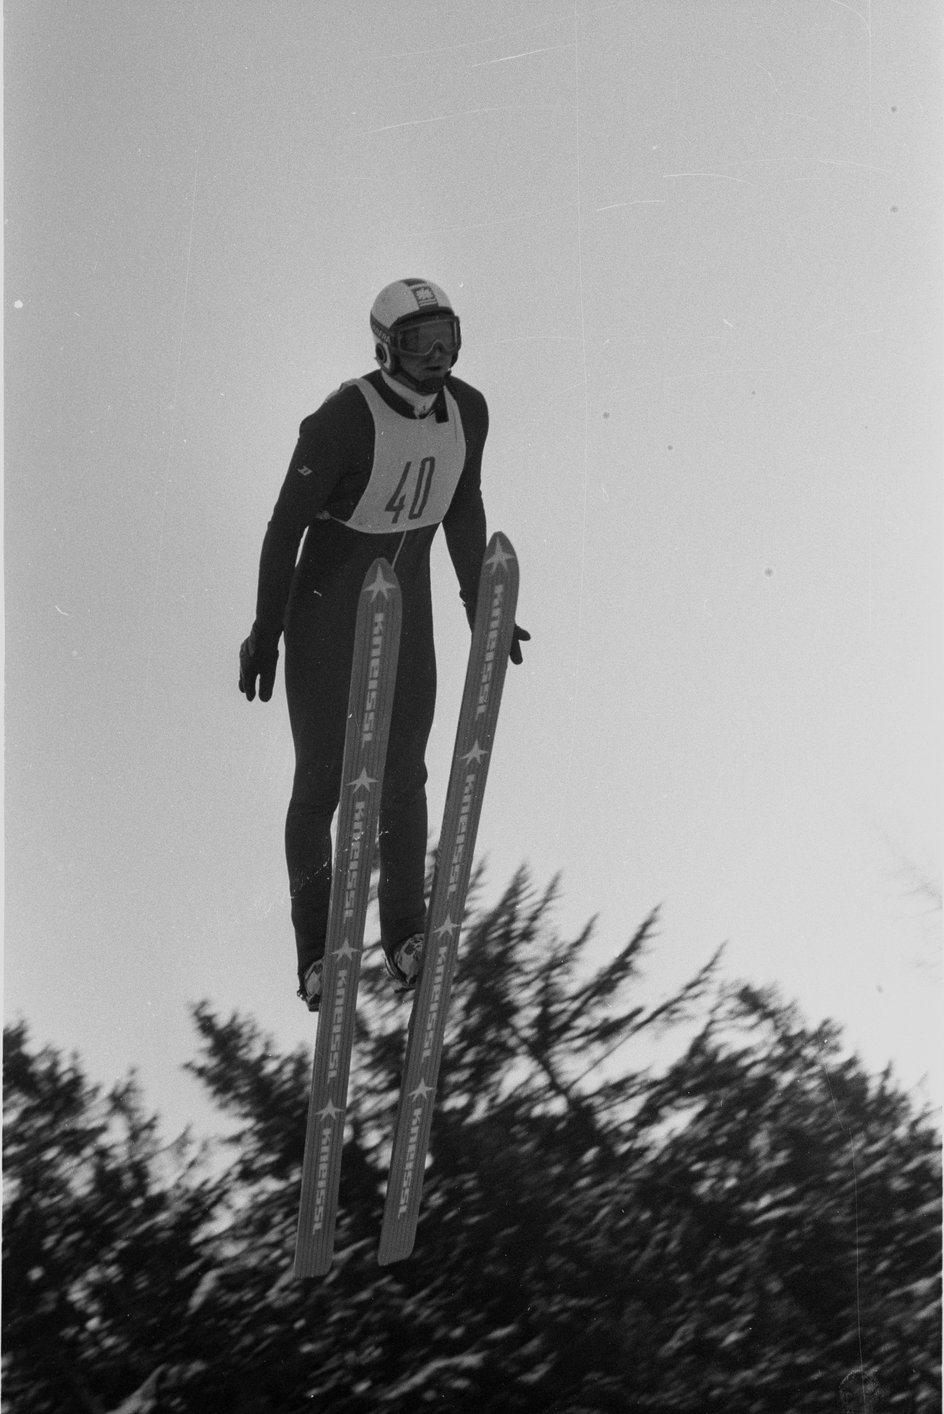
(103,1230)
(734,1230)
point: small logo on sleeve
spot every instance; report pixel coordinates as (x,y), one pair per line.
(304,471)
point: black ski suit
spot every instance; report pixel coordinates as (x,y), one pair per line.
(368,477)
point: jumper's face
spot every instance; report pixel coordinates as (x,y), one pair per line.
(431,368)
(426,350)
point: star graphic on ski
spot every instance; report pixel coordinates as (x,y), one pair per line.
(346,951)
(379,585)
(447,926)
(329,1112)
(499,557)
(477,754)
(363,781)
(421,1090)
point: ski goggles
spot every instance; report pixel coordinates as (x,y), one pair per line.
(420,337)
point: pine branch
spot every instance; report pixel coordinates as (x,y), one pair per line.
(609,978)
(576,1102)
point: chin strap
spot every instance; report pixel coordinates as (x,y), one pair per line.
(420,387)
(416,397)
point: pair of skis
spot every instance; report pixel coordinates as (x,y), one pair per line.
(370,702)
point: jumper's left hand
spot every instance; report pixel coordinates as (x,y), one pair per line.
(257,660)
(520,635)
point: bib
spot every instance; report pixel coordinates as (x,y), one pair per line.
(416,468)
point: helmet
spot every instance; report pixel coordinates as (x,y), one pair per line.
(401,306)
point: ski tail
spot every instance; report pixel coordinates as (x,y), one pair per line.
(478,716)
(370,703)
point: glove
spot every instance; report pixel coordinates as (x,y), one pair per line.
(257,660)
(520,635)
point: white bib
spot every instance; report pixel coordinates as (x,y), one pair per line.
(416,469)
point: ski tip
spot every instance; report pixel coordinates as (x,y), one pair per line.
(499,550)
(380,580)
(390,1252)
(309,1264)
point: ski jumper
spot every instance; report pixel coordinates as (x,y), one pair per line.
(369,476)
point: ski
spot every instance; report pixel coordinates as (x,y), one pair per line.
(370,700)
(485,675)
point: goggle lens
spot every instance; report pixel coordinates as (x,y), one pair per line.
(420,339)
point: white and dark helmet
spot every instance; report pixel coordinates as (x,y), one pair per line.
(411,317)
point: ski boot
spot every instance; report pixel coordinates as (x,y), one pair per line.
(310,989)
(404,963)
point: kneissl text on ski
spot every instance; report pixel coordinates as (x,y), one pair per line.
(373,676)
(492,636)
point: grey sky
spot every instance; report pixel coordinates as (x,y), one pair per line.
(696,251)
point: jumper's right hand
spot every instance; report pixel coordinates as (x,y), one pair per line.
(257,660)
